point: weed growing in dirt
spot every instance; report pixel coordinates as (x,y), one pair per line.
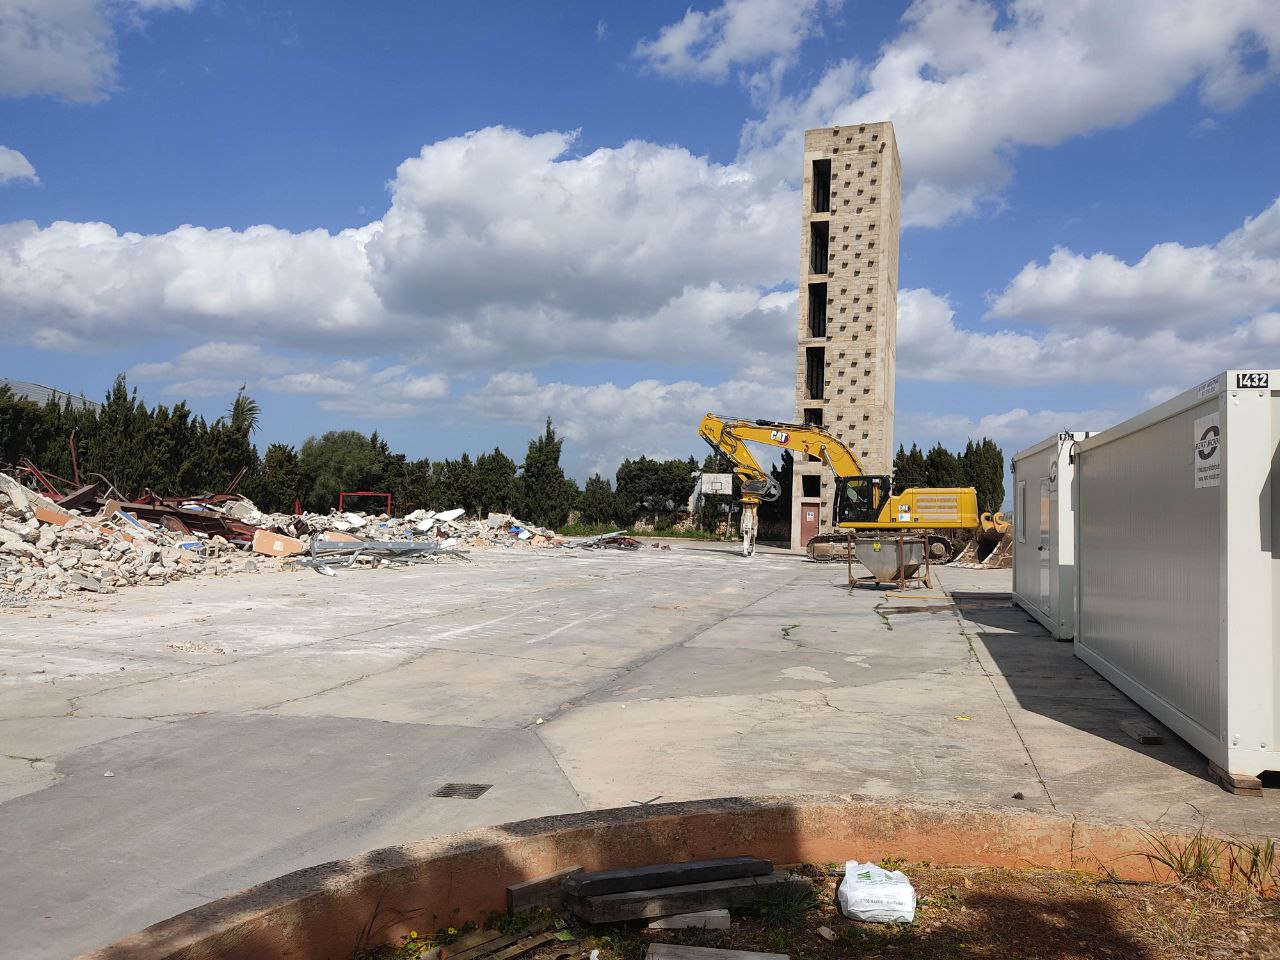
(520,922)
(1208,861)
(623,945)
(785,905)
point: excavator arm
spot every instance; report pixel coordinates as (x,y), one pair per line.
(863,502)
(757,485)
(726,435)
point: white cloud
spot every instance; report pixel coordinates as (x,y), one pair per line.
(967,82)
(1191,291)
(500,218)
(607,423)
(604,422)
(69,284)
(933,346)
(67,48)
(1014,429)
(357,387)
(498,248)
(1175,316)
(761,37)
(15,166)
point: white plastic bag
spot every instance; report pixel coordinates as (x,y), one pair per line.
(877,895)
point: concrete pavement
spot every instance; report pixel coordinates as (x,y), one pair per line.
(258,724)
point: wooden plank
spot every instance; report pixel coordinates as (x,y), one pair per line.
(494,944)
(659,875)
(1243,786)
(468,940)
(675,951)
(523,947)
(703,920)
(545,891)
(689,898)
(1142,731)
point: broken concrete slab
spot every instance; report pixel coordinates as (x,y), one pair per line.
(702,920)
(271,544)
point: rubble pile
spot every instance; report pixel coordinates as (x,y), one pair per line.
(46,553)
(496,529)
(86,540)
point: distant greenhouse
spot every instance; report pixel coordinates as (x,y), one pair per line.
(42,394)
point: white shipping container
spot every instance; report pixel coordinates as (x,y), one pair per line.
(1176,546)
(1044,569)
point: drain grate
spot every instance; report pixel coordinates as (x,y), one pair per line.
(463,791)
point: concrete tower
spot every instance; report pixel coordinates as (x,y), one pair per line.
(847,331)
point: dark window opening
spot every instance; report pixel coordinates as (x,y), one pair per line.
(814,370)
(817,309)
(813,416)
(819,241)
(810,487)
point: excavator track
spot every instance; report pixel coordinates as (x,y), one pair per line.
(834,546)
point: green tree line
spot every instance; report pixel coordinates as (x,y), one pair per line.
(172,451)
(980,465)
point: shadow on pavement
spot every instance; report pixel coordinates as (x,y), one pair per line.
(1048,679)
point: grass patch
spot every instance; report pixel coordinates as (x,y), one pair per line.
(784,905)
(1207,861)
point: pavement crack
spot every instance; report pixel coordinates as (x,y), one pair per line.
(15,756)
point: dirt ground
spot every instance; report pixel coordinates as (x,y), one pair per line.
(996,915)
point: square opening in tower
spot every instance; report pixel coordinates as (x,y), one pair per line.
(817,309)
(822,186)
(819,243)
(815,367)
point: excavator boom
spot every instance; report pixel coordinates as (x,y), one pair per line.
(863,501)
(726,435)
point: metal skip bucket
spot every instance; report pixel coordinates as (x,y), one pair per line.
(890,559)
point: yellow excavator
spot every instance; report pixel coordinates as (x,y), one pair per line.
(862,501)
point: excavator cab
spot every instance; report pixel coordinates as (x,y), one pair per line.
(861,499)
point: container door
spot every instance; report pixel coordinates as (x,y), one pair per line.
(808,521)
(1046,555)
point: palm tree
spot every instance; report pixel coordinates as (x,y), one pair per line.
(244,414)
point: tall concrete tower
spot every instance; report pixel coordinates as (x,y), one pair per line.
(847,331)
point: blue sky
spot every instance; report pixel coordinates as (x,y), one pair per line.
(449,221)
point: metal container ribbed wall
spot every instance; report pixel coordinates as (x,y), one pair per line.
(1149,564)
(1178,578)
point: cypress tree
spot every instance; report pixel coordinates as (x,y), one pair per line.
(545,495)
